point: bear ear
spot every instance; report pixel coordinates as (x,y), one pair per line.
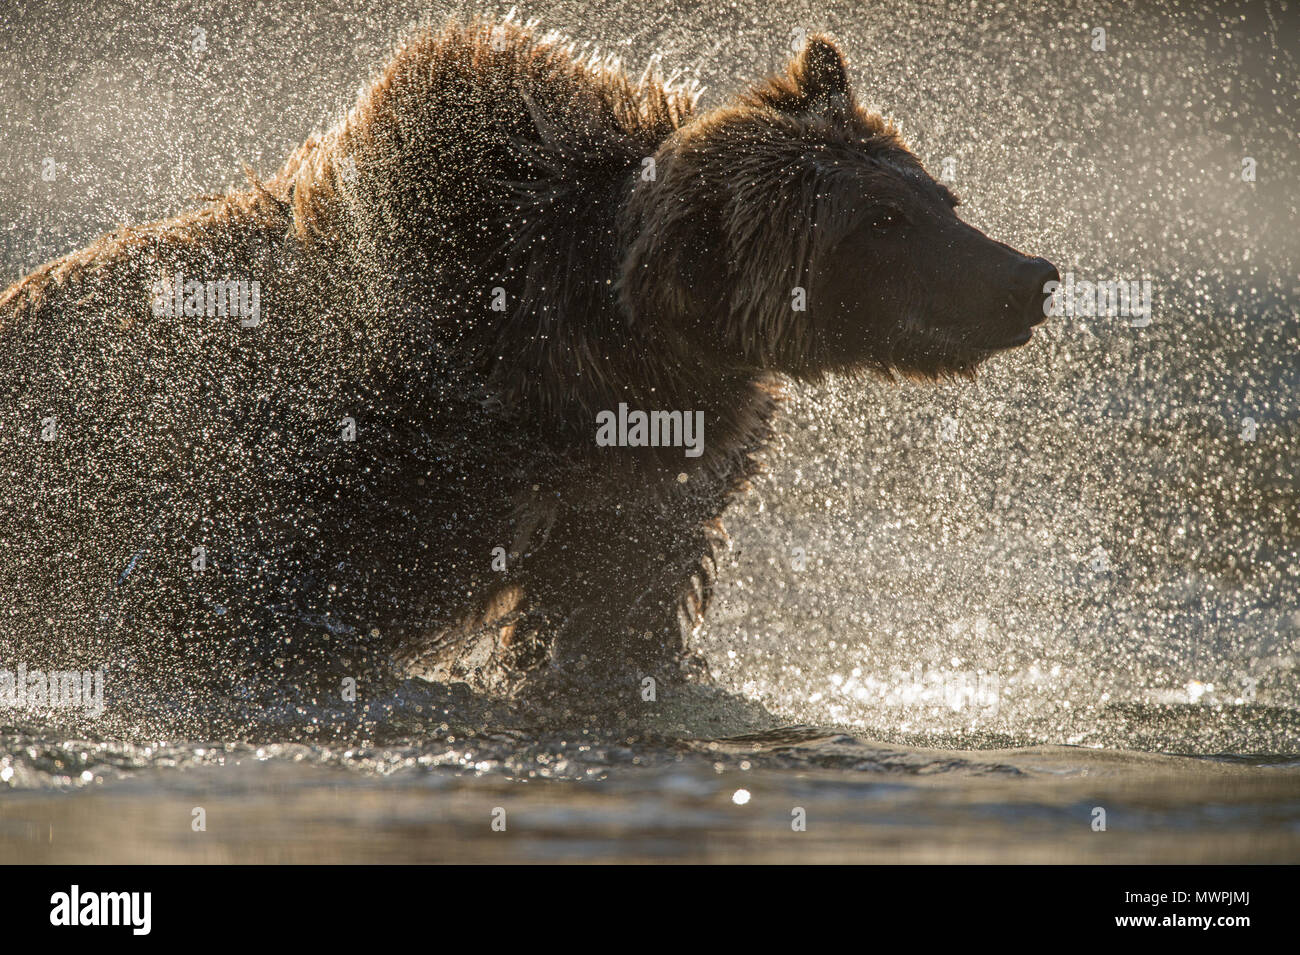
(821,74)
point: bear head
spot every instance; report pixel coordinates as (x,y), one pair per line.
(792,230)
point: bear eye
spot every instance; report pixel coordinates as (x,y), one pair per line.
(887,219)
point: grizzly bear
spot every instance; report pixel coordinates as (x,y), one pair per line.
(464,388)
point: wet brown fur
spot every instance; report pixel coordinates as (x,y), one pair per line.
(484,156)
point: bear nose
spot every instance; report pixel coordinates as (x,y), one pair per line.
(1030,280)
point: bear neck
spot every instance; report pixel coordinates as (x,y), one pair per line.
(602,354)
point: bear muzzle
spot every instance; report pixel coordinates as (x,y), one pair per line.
(1027,303)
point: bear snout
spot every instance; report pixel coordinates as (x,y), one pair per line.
(1031,279)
